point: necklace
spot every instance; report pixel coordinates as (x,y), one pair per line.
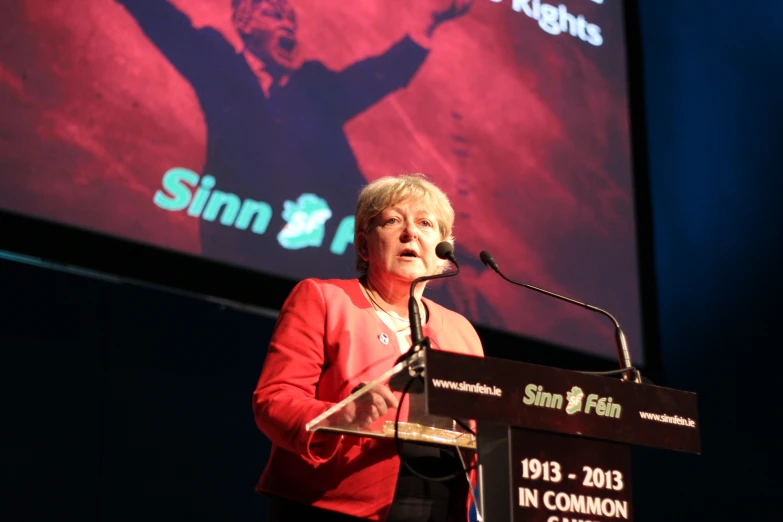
(382,309)
(378,307)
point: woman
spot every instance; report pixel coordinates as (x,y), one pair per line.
(332,336)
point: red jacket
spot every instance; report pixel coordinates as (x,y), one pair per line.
(326,342)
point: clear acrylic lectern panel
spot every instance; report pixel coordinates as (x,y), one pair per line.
(414,425)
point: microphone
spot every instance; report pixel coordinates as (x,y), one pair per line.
(621,345)
(444,250)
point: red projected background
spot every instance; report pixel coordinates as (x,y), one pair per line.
(518,109)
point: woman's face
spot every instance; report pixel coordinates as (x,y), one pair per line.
(400,245)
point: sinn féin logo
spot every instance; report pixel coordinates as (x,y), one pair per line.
(305,220)
(535,395)
(574,397)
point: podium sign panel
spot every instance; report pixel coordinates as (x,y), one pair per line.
(562,401)
(568,478)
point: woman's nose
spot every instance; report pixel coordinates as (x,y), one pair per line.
(409,232)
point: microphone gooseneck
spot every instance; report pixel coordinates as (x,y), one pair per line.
(621,345)
(444,250)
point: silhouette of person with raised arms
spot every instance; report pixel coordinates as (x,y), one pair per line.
(275,125)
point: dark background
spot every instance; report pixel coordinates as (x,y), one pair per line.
(713,84)
(123,403)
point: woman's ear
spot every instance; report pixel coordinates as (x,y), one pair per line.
(361,246)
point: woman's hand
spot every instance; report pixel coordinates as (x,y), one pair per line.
(366,409)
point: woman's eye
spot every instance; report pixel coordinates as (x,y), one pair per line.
(427,223)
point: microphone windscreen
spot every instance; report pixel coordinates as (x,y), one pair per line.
(486,258)
(444,250)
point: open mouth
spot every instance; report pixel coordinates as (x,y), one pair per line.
(408,253)
(286,43)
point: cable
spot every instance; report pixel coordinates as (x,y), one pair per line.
(398,447)
(464,426)
(467,469)
(615,372)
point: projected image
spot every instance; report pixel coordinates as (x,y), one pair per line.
(242,130)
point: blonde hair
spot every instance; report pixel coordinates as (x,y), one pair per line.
(390,190)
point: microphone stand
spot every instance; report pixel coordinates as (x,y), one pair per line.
(419,342)
(621,345)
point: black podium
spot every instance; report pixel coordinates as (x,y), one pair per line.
(553,445)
